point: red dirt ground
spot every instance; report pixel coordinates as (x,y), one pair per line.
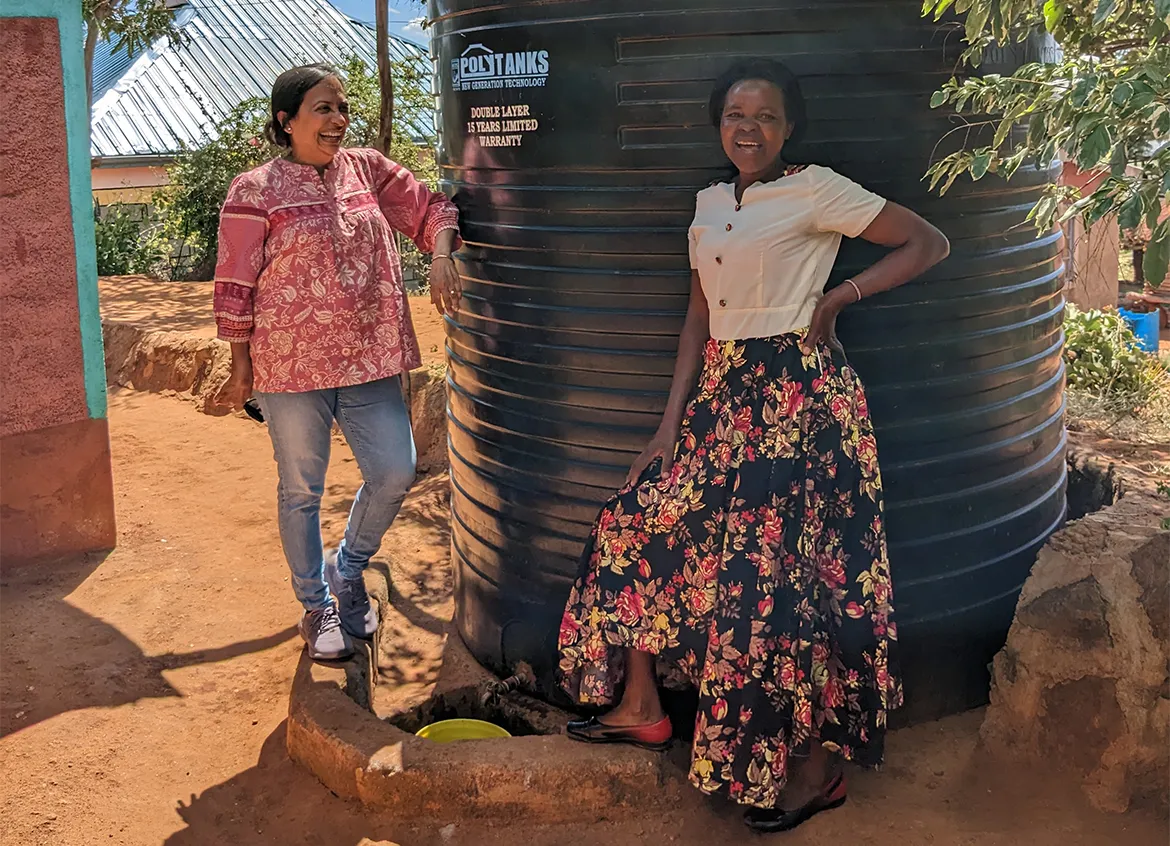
(145,692)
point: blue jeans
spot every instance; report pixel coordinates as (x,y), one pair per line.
(376,424)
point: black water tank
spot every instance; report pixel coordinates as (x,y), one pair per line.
(574,137)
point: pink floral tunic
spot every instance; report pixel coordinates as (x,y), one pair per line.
(309,273)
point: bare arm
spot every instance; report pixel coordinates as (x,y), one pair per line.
(695,333)
(446,288)
(238,387)
(918,246)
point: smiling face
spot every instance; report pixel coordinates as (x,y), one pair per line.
(754,127)
(318,128)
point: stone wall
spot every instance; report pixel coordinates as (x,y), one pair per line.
(1082,688)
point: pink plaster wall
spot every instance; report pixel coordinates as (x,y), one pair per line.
(42,380)
(1092,264)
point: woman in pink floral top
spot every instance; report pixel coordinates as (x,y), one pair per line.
(309,292)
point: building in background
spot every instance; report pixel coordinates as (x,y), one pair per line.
(1091,254)
(148,106)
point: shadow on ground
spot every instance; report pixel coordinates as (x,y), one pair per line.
(103,667)
(274,801)
(153,304)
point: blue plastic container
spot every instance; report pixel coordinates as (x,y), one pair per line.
(1144,326)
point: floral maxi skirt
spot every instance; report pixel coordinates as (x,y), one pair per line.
(756,571)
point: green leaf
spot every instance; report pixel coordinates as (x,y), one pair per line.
(1053,11)
(1102,205)
(954,174)
(977,19)
(937,99)
(1036,128)
(1009,120)
(1104,10)
(1122,92)
(939,6)
(1043,211)
(1157,256)
(1082,90)
(1130,213)
(1119,161)
(1141,99)
(1004,20)
(980,164)
(1011,165)
(1162,9)
(1094,148)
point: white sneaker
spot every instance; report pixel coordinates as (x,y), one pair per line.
(359,616)
(324,636)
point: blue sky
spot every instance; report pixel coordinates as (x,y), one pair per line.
(404,17)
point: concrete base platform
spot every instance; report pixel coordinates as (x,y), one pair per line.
(333,730)
(539,779)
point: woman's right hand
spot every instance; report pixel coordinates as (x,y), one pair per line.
(238,388)
(660,446)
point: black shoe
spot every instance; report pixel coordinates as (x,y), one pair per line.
(777,820)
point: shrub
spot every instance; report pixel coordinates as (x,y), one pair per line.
(199,182)
(1104,361)
(124,245)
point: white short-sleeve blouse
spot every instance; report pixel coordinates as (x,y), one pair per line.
(763,262)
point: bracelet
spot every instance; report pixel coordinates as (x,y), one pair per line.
(855,288)
(442,255)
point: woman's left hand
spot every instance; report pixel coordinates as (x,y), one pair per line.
(822,327)
(446,289)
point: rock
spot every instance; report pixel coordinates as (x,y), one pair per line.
(1080,720)
(428,417)
(1081,685)
(187,364)
(1149,568)
(1075,613)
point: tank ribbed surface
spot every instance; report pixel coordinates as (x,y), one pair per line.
(574,137)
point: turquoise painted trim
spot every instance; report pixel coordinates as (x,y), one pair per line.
(68,15)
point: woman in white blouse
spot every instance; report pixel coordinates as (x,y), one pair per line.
(747,556)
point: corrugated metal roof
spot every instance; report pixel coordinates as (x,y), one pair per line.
(172,96)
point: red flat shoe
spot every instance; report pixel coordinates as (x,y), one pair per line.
(770,822)
(655,737)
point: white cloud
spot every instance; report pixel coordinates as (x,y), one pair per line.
(415,27)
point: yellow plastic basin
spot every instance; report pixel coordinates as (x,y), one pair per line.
(449,731)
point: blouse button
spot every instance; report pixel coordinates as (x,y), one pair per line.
(723,303)
(729,227)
